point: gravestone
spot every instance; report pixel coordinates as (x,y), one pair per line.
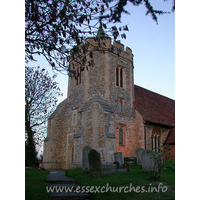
(150,160)
(95,163)
(147,161)
(85,159)
(127,166)
(119,158)
(138,155)
(116,163)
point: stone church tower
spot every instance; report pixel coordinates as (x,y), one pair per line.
(99,110)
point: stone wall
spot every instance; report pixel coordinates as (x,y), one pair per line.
(70,130)
(133,129)
(95,123)
(163,132)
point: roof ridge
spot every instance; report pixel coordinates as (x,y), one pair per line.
(154,92)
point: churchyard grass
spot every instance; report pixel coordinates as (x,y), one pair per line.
(136,178)
(35,184)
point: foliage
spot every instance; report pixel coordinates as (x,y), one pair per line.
(53,27)
(41,92)
(159,165)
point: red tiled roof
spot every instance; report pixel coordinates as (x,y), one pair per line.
(171,137)
(154,107)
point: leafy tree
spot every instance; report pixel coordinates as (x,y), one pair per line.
(41,92)
(53,27)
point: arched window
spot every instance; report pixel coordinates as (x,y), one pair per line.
(155,139)
(120,136)
(119,76)
(78,76)
(120,106)
(159,144)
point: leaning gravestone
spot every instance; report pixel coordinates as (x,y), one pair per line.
(95,163)
(151,160)
(138,155)
(85,159)
(119,158)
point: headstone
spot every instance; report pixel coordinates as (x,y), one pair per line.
(85,159)
(119,158)
(138,155)
(147,161)
(95,163)
(150,160)
(116,163)
(126,166)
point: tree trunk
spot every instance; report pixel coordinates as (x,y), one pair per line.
(31,152)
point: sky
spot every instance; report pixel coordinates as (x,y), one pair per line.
(153,47)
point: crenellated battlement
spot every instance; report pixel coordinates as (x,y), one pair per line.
(106,44)
(125,52)
(94,68)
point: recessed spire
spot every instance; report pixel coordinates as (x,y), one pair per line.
(100,33)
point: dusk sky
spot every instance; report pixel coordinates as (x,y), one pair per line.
(153,46)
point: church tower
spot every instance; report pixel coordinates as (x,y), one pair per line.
(98,111)
(111,75)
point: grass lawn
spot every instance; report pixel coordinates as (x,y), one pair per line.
(142,187)
(35,184)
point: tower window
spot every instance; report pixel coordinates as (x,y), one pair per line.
(120,136)
(120,105)
(78,76)
(119,76)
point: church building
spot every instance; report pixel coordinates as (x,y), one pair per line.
(107,111)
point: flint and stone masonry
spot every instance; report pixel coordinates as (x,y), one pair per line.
(98,112)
